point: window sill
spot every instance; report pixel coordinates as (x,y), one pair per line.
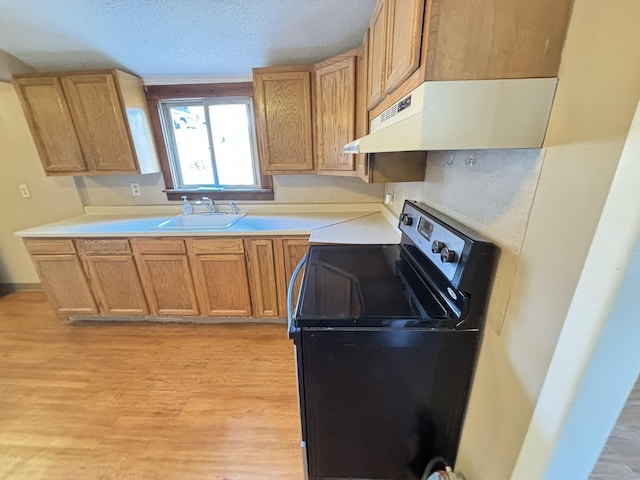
(216,194)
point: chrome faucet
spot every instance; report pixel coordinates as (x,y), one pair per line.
(234,207)
(208,204)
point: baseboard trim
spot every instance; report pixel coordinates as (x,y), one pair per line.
(7,288)
(145,319)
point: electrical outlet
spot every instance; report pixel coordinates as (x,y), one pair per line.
(24,191)
(135,189)
(388,199)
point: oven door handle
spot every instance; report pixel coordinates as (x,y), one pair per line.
(292,282)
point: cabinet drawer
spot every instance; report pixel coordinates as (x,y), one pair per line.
(202,246)
(49,246)
(159,246)
(111,246)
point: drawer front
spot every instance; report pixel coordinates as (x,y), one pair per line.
(50,246)
(111,246)
(159,246)
(204,246)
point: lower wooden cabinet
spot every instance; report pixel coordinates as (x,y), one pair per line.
(66,285)
(220,274)
(266,280)
(184,277)
(166,276)
(113,276)
(293,249)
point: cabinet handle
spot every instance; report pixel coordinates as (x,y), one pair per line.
(292,282)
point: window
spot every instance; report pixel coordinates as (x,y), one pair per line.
(209,141)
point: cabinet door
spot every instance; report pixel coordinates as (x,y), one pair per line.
(293,249)
(222,285)
(100,121)
(335,112)
(51,125)
(377,48)
(117,285)
(362,112)
(283,119)
(65,283)
(168,284)
(404,34)
(266,277)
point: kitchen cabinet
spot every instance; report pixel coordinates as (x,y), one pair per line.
(166,276)
(62,276)
(283,103)
(114,276)
(377,51)
(335,112)
(88,123)
(220,275)
(293,249)
(266,277)
(442,40)
(395,34)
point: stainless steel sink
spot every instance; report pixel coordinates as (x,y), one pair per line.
(204,221)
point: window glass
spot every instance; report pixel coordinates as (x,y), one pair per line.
(211,143)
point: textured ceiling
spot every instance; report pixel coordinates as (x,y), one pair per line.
(163,38)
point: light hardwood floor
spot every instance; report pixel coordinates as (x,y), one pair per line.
(143,400)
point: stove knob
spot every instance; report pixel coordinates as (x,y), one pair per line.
(447,256)
(437,246)
(406,220)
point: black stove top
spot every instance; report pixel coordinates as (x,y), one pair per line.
(405,285)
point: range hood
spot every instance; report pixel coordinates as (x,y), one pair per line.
(463,115)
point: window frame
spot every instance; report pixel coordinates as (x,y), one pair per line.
(186,92)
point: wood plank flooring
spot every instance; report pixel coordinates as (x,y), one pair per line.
(144,400)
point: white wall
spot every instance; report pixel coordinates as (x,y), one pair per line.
(52,198)
(597,359)
(597,94)
(116,190)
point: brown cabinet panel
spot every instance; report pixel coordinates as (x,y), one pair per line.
(222,285)
(50,122)
(159,246)
(117,285)
(95,105)
(111,246)
(88,122)
(377,49)
(283,118)
(404,34)
(477,40)
(65,283)
(266,277)
(168,284)
(203,246)
(335,112)
(293,249)
(362,112)
(49,246)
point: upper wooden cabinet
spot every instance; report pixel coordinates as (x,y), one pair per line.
(335,113)
(395,35)
(412,41)
(404,35)
(89,123)
(377,52)
(283,103)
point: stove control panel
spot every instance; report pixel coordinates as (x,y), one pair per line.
(439,243)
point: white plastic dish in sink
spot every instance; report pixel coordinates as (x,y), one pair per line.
(203,221)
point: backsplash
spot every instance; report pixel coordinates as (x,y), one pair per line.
(492,192)
(116,190)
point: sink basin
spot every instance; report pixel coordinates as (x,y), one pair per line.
(204,221)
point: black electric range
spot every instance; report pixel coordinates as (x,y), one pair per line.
(386,340)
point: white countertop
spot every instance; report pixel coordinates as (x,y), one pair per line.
(350,226)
